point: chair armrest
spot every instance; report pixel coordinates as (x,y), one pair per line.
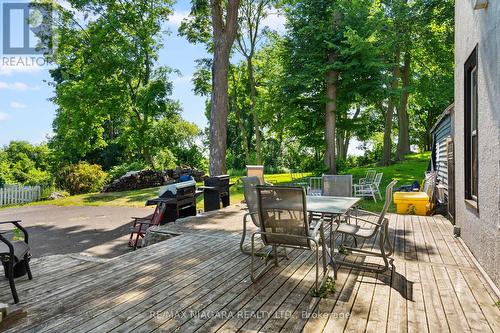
(20,227)
(364,220)
(367,212)
(9,244)
(144,222)
(12,222)
(319,224)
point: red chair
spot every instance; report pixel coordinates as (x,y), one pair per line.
(141,224)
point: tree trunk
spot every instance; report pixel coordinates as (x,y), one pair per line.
(404,131)
(241,125)
(386,157)
(219,111)
(256,122)
(330,114)
(224,33)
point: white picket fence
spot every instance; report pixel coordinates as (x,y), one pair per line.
(14,194)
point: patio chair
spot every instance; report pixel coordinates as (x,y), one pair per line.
(369,229)
(250,193)
(337,185)
(315,187)
(284,223)
(369,190)
(15,256)
(369,178)
(141,224)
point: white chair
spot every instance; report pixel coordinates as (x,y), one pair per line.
(315,186)
(369,190)
(369,177)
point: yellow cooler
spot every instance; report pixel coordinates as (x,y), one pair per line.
(411,203)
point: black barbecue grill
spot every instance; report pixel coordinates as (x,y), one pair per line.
(215,192)
(180,199)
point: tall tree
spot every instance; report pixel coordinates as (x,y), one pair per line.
(252,12)
(224,25)
(333,59)
(215,23)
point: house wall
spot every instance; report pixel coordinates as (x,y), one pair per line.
(480,230)
(441,133)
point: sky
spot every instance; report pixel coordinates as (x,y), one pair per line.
(26,112)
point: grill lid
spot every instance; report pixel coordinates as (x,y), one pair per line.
(172,188)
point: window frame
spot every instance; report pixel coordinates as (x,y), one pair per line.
(471,113)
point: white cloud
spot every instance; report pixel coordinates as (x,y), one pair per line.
(275,21)
(17,105)
(176,18)
(4,116)
(17,86)
(10,70)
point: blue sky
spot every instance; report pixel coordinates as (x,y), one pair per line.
(26,113)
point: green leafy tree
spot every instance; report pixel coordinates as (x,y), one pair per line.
(334,61)
(112,97)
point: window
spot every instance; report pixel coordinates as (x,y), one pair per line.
(471,135)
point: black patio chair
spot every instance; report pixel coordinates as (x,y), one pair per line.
(15,256)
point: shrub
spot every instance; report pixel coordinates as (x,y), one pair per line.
(119,170)
(81,178)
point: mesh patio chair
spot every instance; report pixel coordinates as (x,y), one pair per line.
(284,223)
(250,193)
(369,190)
(15,256)
(369,229)
(337,185)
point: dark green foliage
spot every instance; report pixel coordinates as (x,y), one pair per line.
(25,164)
(327,288)
(113,99)
(81,178)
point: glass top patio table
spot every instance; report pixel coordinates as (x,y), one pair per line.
(330,205)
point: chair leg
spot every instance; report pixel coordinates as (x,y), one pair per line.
(317,266)
(244,234)
(10,273)
(27,265)
(388,241)
(382,249)
(132,235)
(275,255)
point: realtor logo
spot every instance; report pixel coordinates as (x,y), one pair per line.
(27,28)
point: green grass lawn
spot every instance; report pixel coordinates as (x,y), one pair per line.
(405,172)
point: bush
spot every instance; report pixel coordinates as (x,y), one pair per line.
(81,178)
(119,170)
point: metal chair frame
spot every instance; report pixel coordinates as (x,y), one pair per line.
(8,258)
(380,227)
(314,238)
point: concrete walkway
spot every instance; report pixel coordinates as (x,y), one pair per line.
(97,231)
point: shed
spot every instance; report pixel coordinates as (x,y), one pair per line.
(443,159)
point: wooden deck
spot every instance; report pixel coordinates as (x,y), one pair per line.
(199,281)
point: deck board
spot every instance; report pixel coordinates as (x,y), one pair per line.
(199,282)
